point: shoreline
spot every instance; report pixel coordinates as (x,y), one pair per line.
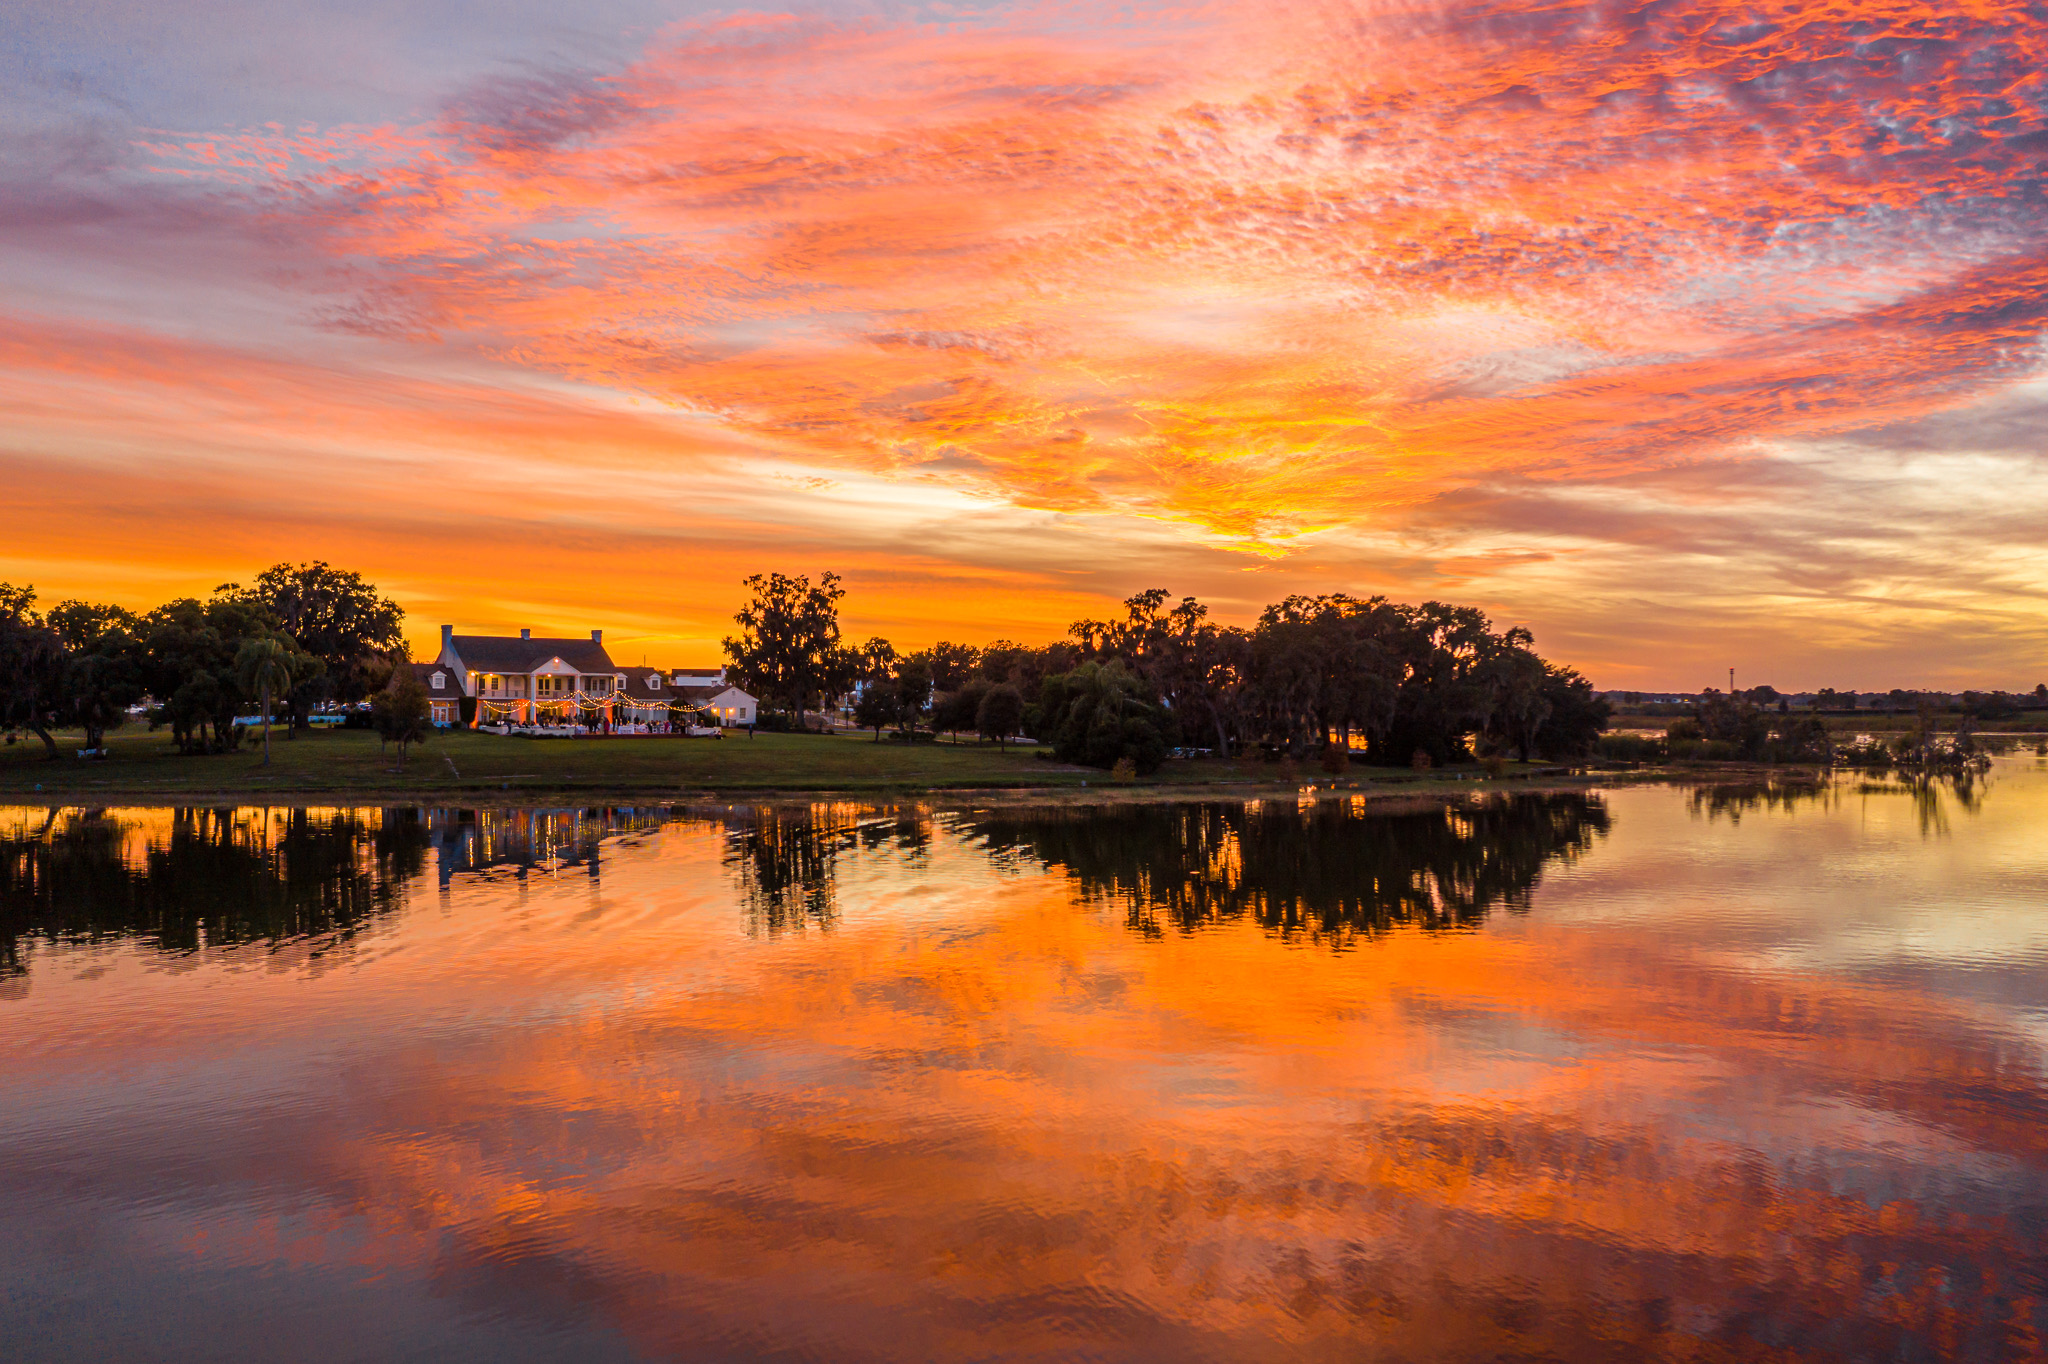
(459,769)
(1426,790)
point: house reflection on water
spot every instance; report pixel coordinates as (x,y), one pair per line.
(524,840)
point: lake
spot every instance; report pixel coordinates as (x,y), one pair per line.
(1737,1072)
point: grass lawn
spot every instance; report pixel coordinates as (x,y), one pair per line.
(463,764)
(457,761)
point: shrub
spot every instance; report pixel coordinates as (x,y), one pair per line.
(1630,748)
(784,722)
(401,712)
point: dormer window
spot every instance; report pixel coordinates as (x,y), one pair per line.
(440,679)
(654,682)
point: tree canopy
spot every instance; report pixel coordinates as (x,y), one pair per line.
(788,646)
(333,615)
(1425,683)
(31,667)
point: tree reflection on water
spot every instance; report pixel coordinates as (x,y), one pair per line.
(186,878)
(1932,792)
(786,860)
(1332,869)
(1329,870)
(1733,800)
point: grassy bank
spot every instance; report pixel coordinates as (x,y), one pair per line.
(456,762)
(464,766)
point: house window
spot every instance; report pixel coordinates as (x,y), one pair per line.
(654,682)
(439,679)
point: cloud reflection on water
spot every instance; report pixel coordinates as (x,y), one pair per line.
(609,1102)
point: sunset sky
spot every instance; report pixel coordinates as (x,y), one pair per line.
(1691,335)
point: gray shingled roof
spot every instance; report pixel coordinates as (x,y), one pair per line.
(638,690)
(510,654)
(425,673)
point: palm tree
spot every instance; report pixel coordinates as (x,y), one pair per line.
(262,667)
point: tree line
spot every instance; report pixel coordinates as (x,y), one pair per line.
(1324,676)
(300,636)
(1316,676)
(1737,727)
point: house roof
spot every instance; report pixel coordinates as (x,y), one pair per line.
(425,673)
(512,654)
(637,689)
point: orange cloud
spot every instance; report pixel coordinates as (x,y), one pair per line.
(1254,277)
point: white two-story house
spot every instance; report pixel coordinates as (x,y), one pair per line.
(530,681)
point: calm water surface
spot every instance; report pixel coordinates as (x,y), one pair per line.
(1649,1073)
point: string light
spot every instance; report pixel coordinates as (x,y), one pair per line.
(584,701)
(500,709)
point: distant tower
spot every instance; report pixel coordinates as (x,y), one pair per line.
(1731,681)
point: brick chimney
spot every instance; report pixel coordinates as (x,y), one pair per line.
(447,637)
(526,634)
(597,636)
